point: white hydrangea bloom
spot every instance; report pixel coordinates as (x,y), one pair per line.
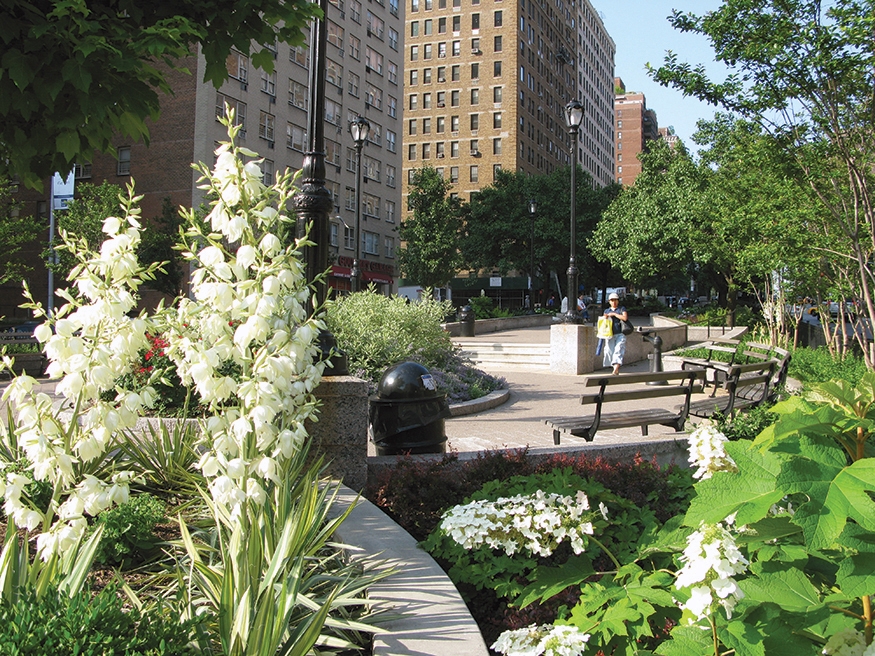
(711,559)
(546,640)
(707,452)
(536,523)
(848,642)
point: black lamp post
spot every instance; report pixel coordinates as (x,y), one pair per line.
(314,203)
(359,130)
(533,207)
(573,117)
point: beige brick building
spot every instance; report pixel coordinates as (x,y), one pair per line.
(363,77)
(486,83)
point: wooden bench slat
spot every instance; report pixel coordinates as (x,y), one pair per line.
(638,394)
(628,379)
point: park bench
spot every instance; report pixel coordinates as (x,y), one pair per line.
(15,339)
(676,386)
(752,353)
(747,385)
(719,357)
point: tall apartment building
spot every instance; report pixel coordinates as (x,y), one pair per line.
(363,77)
(635,126)
(486,83)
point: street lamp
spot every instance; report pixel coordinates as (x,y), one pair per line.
(573,117)
(359,129)
(533,207)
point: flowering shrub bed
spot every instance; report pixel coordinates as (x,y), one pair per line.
(253,572)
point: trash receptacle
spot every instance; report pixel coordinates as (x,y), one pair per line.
(407,413)
(466,319)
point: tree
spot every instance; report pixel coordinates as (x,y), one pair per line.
(429,255)
(15,232)
(83,220)
(804,70)
(158,245)
(647,230)
(74,73)
(499,231)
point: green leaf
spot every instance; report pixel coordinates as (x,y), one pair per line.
(550,581)
(750,493)
(744,638)
(789,589)
(768,529)
(687,641)
(835,493)
(68,144)
(856,575)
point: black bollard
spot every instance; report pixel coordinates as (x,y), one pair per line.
(656,358)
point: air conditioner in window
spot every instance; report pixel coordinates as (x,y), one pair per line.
(442,55)
(476,51)
(440,155)
(441,104)
(442,79)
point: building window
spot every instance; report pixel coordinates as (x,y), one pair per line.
(371,243)
(411,127)
(299,55)
(475,122)
(374,61)
(475,21)
(454,149)
(441,98)
(457,48)
(123,165)
(442,25)
(296,137)
(355,10)
(350,160)
(393,73)
(454,98)
(454,71)
(426,51)
(393,39)
(495,169)
(475,96)
(350,199)
(390,176)
(496,69)
(497,18)
(265,126)
(268,83)
(454,174)
(390,211)
(334,235)
(390,141)
(426,101)
(475,149)
(426,126)
(374,96)
(355,47)
(411,153)
(441,123)
(375,136)
(376,26)
(496,146)
(348,238)
(392,107)
(474,173)
(333,73)
(414,53)
(496,94)
(371,168)
(428,27)
(238,66)
(475,71)
(393,7)
(81,171)
(224,102)
(414,101)
(267,172)
(454,123)
(333,112)
(335,35)
(457,24)
(414,78)
(439,150)
(390,247)
(426,151)
(496,44)
(426,76)
(332,152)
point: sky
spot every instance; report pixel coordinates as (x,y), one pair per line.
(643,35)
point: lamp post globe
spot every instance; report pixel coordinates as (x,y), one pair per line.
(358,129)
(573,117)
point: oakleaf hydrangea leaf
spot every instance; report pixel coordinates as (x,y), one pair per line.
(856,575)
(790,589)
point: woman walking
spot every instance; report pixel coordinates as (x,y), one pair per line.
(615,347)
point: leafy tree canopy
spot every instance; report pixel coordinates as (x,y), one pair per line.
(15,231)
(500,231)
(73,73)
(429,255)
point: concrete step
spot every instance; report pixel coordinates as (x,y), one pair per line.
(511,355)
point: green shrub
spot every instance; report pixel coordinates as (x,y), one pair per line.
(746,425)
(482,306)
(129,529)
(378,331)
(85,625)
(817,365)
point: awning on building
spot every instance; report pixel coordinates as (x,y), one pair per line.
(381,278)
(341,272)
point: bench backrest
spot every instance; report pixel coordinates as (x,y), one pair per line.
(782,359)
(685,382)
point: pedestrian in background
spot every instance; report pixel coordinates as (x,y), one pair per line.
(615,347)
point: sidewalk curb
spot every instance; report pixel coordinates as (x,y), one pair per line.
(491,400)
